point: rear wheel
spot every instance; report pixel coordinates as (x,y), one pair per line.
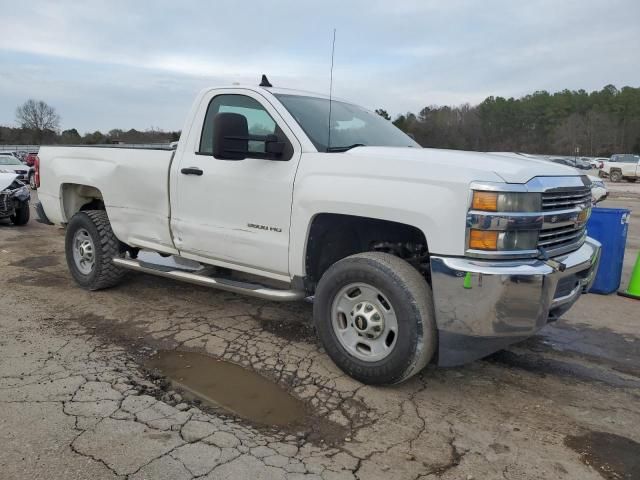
(22,215)
(615,176)
(90,248)
(374,316)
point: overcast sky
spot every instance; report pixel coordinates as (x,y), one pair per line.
(120,64)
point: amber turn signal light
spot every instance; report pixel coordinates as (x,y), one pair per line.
(483,239)
(487,201)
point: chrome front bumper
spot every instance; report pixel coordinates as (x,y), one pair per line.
(482,306)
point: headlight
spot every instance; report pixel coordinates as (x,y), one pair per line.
(510,240)
(506,201)
(598,184)
(494,226)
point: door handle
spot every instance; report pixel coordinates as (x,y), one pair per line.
(191,171)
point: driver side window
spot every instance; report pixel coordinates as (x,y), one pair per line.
(258,120)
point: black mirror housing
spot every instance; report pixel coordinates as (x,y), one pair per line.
(273,147)
(230,136)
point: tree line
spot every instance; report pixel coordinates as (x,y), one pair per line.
(569,122)
(39,123)
(25,136)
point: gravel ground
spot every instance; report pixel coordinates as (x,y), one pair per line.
(76,401)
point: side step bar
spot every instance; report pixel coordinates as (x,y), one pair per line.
(250,289)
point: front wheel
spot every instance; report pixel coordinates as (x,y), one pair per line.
(21,215)
(374,316)
(615,176)
(90,247)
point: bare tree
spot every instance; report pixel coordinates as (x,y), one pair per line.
(37,116)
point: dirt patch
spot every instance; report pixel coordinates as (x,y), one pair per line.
(238,390)
(290,330)
(542,366)
(298,326)
(613,456)
(41,261)
(37,280)
(600,346)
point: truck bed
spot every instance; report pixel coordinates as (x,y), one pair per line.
(133,183)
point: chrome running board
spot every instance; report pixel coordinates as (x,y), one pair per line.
(251,289)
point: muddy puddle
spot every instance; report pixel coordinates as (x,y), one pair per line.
(614,457)
(221,384)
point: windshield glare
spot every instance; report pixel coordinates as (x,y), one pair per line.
(350,124)
(9,160)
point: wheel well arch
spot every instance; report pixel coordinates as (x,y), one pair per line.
(77,197)
(332,237)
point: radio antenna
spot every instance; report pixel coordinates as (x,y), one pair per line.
(333,51)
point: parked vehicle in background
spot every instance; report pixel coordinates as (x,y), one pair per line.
(30,158)
(623,166)
(409,253)
(14,199)
(598,162)
(582,163)
(9,163)
(571,162)
(599,190)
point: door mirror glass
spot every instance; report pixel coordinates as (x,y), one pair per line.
(230,136)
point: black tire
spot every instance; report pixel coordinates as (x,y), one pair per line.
(615,176)
(411,298)
(22,215)
(601,174)
(104,273)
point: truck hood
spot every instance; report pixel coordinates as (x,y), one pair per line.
(6,179)
(511,168)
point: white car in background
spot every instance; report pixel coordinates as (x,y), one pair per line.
(598,189)
(14,199)
(10,164)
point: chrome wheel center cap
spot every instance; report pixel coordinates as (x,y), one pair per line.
(368,321)
(85,250)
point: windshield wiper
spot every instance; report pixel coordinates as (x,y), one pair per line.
(344,149)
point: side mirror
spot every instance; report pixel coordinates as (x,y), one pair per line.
(230,136)
(273,147)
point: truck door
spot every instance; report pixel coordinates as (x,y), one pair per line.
(235,212)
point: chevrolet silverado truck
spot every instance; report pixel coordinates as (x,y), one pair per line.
(621,167)
(410,255)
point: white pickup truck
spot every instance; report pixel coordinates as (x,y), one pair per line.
(621,166)
(409,254)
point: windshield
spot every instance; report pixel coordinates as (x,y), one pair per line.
(9,160)
(350,125)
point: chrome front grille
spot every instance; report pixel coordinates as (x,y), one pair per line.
(564,232)
(565,199)
(552,238)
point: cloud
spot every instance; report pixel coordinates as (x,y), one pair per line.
(116,63)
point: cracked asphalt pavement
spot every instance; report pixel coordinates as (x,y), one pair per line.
(76,401)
